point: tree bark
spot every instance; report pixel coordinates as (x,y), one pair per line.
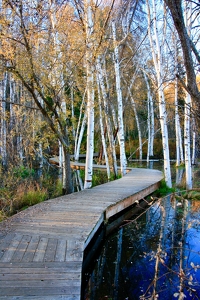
(90,94)
(175,7)
(123,161)
(157,58)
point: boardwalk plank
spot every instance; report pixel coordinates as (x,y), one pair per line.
(40,251)
(44,267)
(8,254)
(61,250)
(21,249)
(41,291)
(41,283)
(5,242)
(30,251)
(50,250)
(42,276)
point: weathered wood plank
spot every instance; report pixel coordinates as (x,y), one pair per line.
(5,242)
(40,291)
(9,252)
(40,251)
(30,251)
(61,250)
(42,276)
(21,249)
(50,250)
(45,267)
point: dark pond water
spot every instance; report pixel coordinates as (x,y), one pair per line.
(156,255)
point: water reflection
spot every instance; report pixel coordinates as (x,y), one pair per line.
(157,255)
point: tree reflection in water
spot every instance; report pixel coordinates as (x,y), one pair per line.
(156,255)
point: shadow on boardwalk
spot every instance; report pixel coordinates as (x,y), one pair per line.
(42,248)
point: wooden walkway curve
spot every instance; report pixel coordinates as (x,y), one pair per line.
(41,248)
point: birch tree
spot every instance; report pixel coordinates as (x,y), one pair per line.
(3,131)
(158,64)
(102,131)
(123,161)
(187,115)
(179,148)
(89,29)
(150,120)
(100,74)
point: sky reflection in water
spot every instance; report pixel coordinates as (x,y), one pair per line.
(157,255)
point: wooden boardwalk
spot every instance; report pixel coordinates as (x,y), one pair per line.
(41,248)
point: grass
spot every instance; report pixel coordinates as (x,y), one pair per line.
(163,190)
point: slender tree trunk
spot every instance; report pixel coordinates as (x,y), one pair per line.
(188,167)
(102,132)
(90,95)
(107,118)
(123,161)
(150,121)
(187,117)
(3,147)
(80,129)
(138,126)
(157,58)
(177,124)
(66,173)
(179,147)
(193,141)
(57,76)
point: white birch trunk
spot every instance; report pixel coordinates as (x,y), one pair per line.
(107,118)
(179,147)
(90,95)
(138,125)
(3,148)
(193,141)
(157,58)
(102,132)
(188,167)
(150,120)
(80,129)
(187,118)
(123,160)
(80,137)
(177,123)
(72,110)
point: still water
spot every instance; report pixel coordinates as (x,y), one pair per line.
(155,255)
